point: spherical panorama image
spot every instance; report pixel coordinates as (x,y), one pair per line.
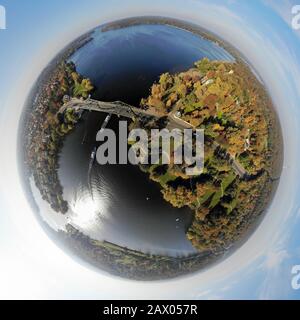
(152,219)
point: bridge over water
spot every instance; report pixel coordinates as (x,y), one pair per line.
(120,108)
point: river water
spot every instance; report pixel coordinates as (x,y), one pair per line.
(118,203)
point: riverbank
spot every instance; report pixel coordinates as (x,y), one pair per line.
(45,132)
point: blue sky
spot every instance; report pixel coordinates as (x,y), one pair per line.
(32,266)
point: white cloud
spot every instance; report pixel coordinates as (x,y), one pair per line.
(274,259)
(277,277)
(283,9)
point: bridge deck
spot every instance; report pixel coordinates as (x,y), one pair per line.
(117,107)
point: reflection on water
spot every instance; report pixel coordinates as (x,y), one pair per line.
(90,204)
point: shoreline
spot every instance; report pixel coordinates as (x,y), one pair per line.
(78,43)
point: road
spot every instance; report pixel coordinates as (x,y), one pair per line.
(236,166)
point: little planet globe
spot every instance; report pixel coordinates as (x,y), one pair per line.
(149,220)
